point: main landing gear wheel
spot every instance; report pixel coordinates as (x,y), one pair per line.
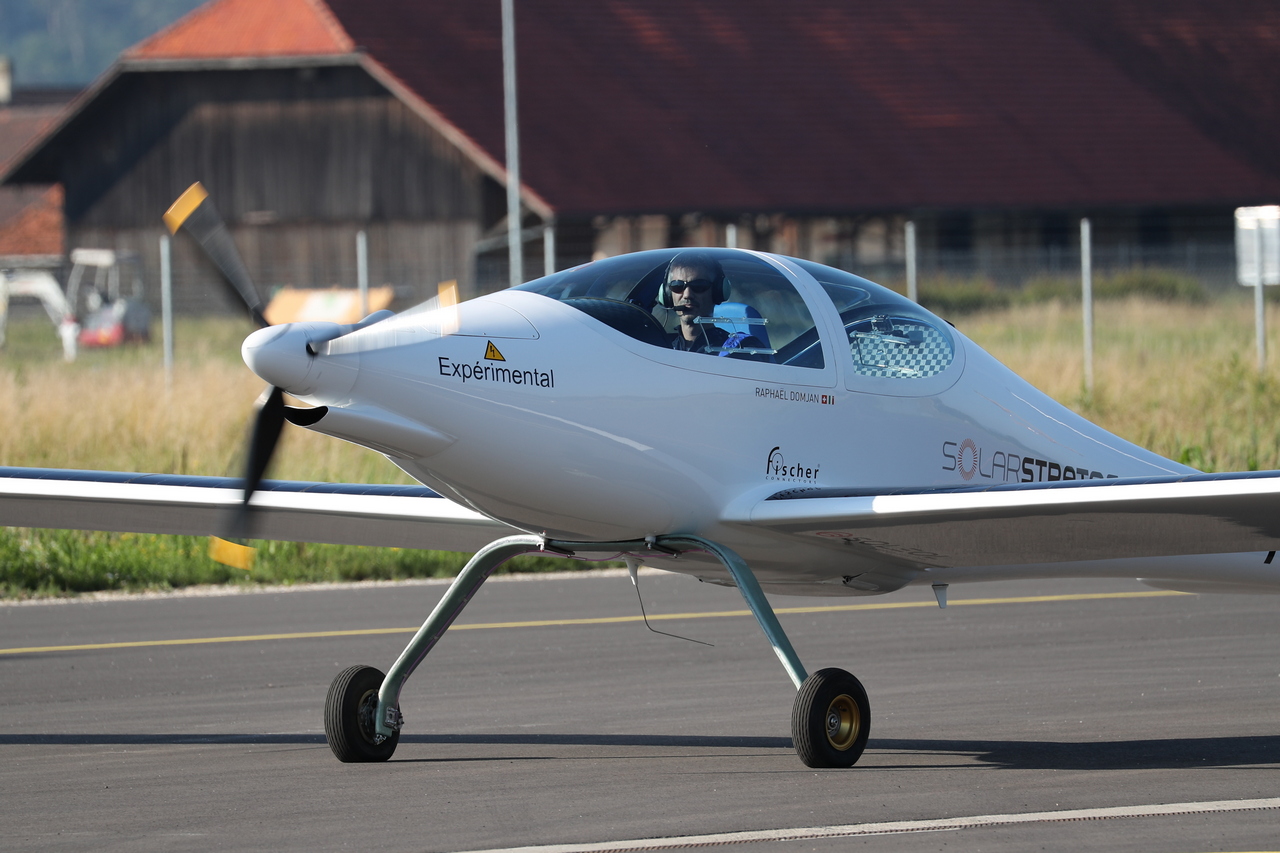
(349,716)
(831,719)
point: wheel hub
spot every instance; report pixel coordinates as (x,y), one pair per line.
(843,722)
(366,715)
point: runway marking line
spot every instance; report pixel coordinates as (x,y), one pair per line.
(597,620)
(809,833)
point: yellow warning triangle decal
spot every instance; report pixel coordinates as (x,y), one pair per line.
(492,354)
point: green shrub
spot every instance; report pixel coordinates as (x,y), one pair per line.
(1151,283)
(66,562)
(1048,288)
(949,296)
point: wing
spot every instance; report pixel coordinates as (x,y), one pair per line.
(1040,523)
(334,513)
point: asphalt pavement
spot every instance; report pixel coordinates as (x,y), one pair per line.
(1054,715)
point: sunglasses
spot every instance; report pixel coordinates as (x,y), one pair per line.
(699,285)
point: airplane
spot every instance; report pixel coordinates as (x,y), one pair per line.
(813,433)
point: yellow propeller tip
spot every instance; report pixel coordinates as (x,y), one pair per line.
(448,293)
(184,206)
(231,554)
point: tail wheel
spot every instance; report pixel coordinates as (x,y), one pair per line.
(831,719)
(350,716)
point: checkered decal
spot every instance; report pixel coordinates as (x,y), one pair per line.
(913,350)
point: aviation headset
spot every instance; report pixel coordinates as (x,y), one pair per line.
(720,287)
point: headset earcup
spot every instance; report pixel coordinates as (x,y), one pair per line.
(723,289)
(664,296)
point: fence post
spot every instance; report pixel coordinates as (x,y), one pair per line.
(548,248)
(166,309)
(913,289)
(362,271)
(515,239)
(1086,299)
(1259,303)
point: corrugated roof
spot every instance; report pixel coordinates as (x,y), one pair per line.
(1218,64)
(667,105)
(236,28)
(819,105)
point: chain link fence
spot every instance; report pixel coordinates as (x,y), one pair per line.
(1212,265)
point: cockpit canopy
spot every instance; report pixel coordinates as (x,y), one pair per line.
(889,335)
(757,313)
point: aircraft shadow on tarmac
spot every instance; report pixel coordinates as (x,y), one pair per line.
(884,753)
(1102,755)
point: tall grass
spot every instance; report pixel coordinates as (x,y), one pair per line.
(113,410)
(949,295)
(1173,375)
(1177,378)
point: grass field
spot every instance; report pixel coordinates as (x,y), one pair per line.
(1173,376)
(1179,379)
(112,410)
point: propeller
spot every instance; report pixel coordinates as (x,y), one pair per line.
(195,213)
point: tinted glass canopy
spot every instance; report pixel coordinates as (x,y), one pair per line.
(707,302)
(731,304)
(889,335)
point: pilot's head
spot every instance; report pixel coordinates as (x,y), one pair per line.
(695,284)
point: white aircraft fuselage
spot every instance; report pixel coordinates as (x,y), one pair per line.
(749,419)
(745,418)
(534,413)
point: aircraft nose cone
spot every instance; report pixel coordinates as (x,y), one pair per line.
(279,355)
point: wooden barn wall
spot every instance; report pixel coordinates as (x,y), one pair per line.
(297,161)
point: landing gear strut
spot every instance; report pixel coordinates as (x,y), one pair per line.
(830,720)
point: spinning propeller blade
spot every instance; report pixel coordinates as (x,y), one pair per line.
(262,446)
(194,212)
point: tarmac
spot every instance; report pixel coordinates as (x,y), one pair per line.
(1054,715)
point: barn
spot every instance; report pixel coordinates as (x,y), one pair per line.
(815,128)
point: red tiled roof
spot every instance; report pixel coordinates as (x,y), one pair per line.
(19,126)
(234,28)
(1217,64)
(31,220)
(821,105)
(37,229)
(667,105)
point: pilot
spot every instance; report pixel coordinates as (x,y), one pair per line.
(695,284)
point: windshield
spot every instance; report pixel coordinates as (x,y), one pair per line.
(889,335)
(707,302)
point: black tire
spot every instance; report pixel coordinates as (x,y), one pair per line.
(349,713)
(831,719)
